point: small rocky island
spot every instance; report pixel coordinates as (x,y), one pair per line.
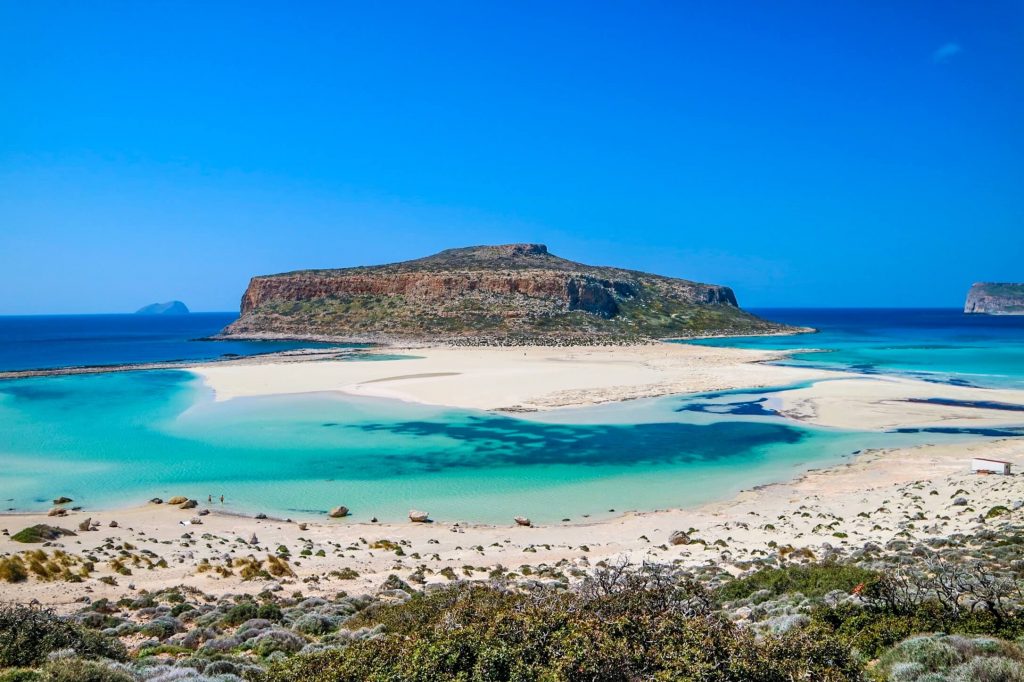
(995,298)
(168,308)
(511,294)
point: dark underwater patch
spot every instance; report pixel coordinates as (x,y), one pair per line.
(744,408)
(978,404)
(1003,432)
(495,442)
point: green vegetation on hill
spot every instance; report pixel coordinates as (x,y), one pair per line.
(512,294)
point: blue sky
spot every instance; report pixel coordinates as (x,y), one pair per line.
(805,153)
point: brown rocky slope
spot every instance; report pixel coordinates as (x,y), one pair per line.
(995,298)
(509,294)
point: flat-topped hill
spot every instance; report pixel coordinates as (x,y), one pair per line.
(514,293)
(995,298)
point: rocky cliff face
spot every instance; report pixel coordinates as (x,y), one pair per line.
(517,293)
(995,298)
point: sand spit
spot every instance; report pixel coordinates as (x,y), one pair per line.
(543,378)
(532,377)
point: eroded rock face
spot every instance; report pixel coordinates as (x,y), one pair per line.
(577,292)
(995,298)
(513,291)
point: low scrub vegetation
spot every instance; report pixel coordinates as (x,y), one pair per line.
(635,626)
(951,612)
(815,580)
(28,635)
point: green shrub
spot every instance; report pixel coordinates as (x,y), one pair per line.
(161,628)
(40,532)
(239,613)
(872,630)
(952,658)
(313,624)
(271,612)
(346,573)
(988,669)
(12,569)
(815,580)
(28,634)
(81,670)
(929,651)
(20,675)
(278,640)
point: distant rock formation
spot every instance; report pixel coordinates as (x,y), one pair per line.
(169,308)
(489,295)
(995,298)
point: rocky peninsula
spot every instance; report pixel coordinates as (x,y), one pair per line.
(995,298)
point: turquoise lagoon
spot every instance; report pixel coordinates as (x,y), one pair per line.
(118,439)
(934,344)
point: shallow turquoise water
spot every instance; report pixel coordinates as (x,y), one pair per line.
(932,344)
(119,439)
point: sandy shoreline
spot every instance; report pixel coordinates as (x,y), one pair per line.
(878,496)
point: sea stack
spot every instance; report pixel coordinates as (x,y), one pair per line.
(168,308)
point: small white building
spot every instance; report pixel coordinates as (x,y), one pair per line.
(990,466)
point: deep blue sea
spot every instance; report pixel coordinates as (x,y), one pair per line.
(117,439)
(48,341)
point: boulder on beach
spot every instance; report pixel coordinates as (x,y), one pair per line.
(338,512)
(679,538)
(156,500)
(40,533)
(178,499)
(190,504)
(418,516)
(522,521)
(62,500)
(57,511)
(112,524)
(254,540)
(85,525)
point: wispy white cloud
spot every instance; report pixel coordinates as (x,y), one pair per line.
(946,52)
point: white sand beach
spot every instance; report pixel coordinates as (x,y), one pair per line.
(532,377)
(543,378)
